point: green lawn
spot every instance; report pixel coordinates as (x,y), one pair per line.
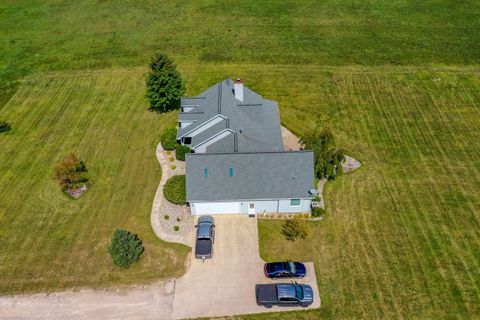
(398,81)
(52,34)
(401,236)
(49,241)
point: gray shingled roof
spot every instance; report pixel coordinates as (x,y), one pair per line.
(255,120)
(267,175)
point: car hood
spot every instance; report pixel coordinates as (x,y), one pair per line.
(307,293)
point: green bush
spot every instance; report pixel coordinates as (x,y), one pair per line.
(327,158)
(174,190)
(293,229)
(318,212)
(5,126)
(71,173)
(176,228)
(164,84)
(169,138)
(125,248)
(180,152)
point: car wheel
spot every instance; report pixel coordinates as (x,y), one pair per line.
(304,305)
(267,306)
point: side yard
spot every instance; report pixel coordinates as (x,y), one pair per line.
(102,117)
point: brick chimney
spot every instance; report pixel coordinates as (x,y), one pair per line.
(238,89)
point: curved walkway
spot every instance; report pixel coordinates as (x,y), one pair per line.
(162,207)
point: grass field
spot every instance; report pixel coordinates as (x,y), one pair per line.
(398,81)
(49,241)
(63,35)
(401,238)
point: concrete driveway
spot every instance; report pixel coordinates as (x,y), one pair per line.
(225,285)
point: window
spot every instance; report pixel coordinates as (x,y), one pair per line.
(294,202)
(205,172)
(231,172)
(187,140)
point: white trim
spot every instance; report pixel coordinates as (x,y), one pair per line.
(189,107)
(204,126)
(184,124)
(246,200)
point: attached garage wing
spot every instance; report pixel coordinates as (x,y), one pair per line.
(215,208)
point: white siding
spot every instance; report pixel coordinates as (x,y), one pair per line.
(200,208)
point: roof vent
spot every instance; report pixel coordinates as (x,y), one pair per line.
(238,89)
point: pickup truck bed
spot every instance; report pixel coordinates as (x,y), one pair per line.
(266,293)
(203,248)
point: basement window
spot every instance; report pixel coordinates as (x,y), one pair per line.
(294,202)
(231,172)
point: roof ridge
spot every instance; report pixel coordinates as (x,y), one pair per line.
(260,152)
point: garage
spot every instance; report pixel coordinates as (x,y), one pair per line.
(200,208)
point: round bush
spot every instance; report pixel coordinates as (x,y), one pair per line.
(5,126)
(180,152)
(317,212)
(125,248)
(169,138)
(174,190)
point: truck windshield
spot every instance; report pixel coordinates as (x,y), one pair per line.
(299,292)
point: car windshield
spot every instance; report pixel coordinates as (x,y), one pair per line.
(299,292)
(291,267)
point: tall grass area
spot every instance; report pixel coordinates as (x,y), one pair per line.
(49,241)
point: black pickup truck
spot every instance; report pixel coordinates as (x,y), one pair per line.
(205,237)
(284,294)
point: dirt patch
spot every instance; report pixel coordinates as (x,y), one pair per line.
(290,141)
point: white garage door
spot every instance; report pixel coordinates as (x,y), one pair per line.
(216,208)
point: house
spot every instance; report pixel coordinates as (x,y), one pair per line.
(238,163)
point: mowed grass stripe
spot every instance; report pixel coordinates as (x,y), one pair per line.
(414,198)
(98,120)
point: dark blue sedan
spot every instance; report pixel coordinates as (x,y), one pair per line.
(287,269)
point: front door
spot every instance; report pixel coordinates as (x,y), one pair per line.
(251,209)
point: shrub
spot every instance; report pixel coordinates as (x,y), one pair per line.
(174,190)
(169,138)
(178,219)
(166,217)
(293,229)
(164,84)
(71,173)
(125,248)
(327,158)
(171,159)
(176,228)
(318,212)
(173,167)
(180,152)
(5,126)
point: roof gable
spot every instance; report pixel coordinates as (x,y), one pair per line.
(255,121)
(267,175)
